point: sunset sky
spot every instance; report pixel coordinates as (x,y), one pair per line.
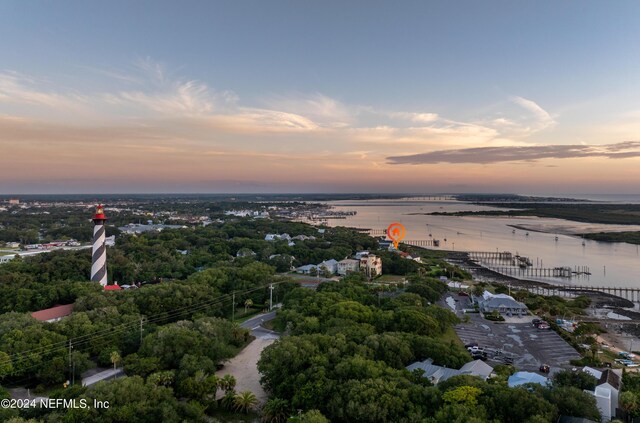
(327,96)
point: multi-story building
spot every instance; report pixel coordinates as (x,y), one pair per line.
(348,265)
(371,265)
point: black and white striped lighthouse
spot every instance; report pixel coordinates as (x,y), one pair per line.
(99,250)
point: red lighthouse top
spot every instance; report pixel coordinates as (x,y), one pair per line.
(99,213)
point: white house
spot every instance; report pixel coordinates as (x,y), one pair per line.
(110,241)
(348,265)
(606,393)
(330,265)
(7,258)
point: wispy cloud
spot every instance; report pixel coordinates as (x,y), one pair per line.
(487,155)
(543,119)
(323,110)
(21,89)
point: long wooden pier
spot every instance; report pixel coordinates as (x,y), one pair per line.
(433,198)
(542,272)
(422,242)
(631,294)
(490,255)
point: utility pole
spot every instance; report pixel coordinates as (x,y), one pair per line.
(233,307)
(270,297)
(141,331)
(70,368)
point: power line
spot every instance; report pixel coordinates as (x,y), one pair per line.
(85,339)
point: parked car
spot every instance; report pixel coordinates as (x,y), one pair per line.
(482,357)
(543,326)
(544,368)
(536,322)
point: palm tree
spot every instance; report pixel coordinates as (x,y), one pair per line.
(228,400)
(228,383)
(245,401)
(247,304)
(213,382)
(276,410)
(115,358)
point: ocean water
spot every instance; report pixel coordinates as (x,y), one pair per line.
(610,264)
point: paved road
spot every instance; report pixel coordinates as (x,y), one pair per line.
(104,375)
(255,325)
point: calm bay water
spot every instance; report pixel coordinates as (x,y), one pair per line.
(611,264)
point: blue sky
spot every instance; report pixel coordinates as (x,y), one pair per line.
(344,87)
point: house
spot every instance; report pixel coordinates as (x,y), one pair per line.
(593,372)
(502,303)
(114,287)
(360,254)
(330,265)
(456,285)
(437,374)
(245,252)
(347,266)
(7,258)
(371,265)
(520,378)
(477,368)
(304,238)
(277,237)
(53,314)
(385,244)
(307,269)
(607,393)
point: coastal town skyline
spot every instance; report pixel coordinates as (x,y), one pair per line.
(290,97)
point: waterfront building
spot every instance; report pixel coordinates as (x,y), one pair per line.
(502,303)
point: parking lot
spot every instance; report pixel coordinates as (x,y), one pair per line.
(529,347)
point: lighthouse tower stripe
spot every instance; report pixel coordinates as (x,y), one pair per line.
(99,254)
